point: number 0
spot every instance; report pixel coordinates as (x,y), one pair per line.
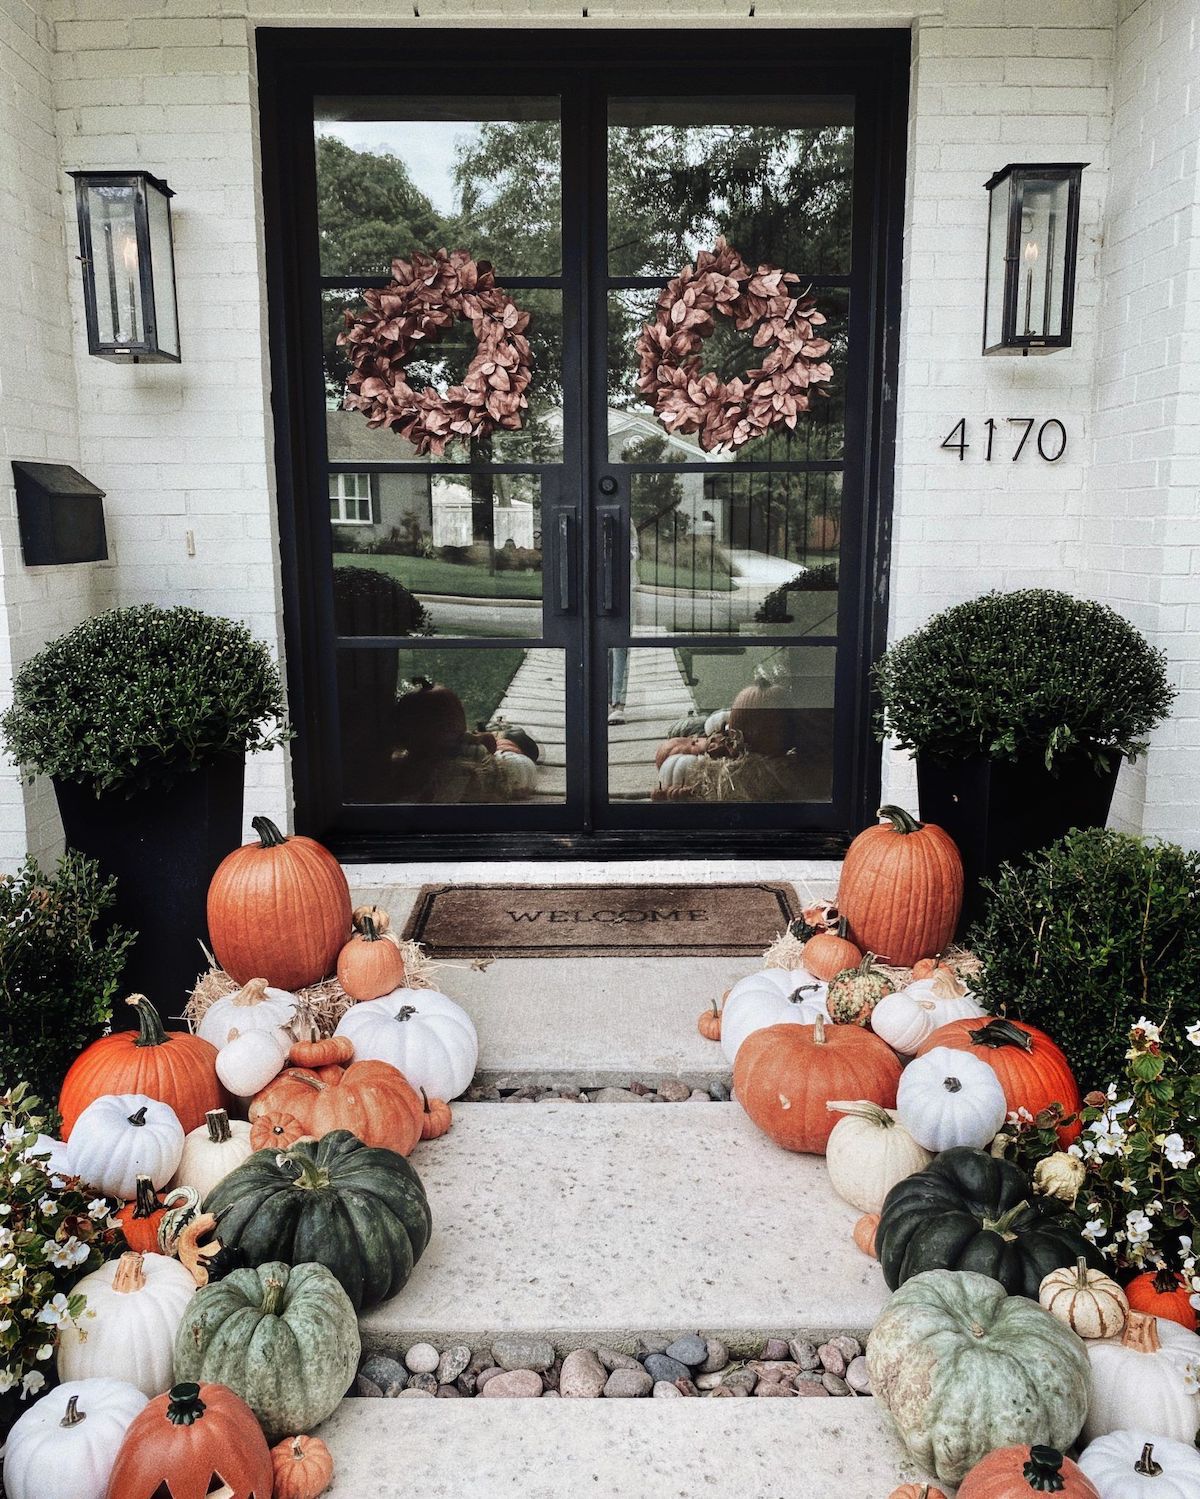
(1062,440)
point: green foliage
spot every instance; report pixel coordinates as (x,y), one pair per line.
(58,973)
(138,697)
(1036,672)
(367,601)
(54,1231)
(776,608)
(1089,935)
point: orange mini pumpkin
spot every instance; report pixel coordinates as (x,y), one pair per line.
(917,1491)
(436,1117)
(140,1218)
(925,968)
(303,1467)
(1163,1293)
(327,1051)
(279,907)
(1024,1473)
(177,1443)
(709,1023)
(172,1067)
(370,965)
(901,887)
(373,1100)
(785,1075)
(864,1234)
(830,953)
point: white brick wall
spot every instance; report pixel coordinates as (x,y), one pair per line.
(172,89)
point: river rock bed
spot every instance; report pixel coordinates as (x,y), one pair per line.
(690,1366)
(669,1090)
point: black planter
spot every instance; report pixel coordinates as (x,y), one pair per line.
(996,810)
(162,846)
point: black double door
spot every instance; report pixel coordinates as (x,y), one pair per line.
(588,586)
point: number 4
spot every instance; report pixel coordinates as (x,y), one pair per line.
(959,430)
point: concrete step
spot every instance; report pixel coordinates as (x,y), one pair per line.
(594,1223)
(614,1449)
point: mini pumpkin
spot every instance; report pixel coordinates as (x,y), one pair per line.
(689,744)
(370,1099)
(254,1007)
(328,1051)
(907,1018)
(303,1467)
(124,1136)
(370,964)
(1163,1293)
(1088,1301)
(186,1438)
(864,1233)
(248,1062)
(135,1304)
(64,1445)
(1023,1473)
(830,953)
(1147,1375)
(436,1117)
(211,1152)
(917,1491)
(901,887)
(925,968)
(949,1098)
(868,1152)
(208,1260)
(140,1217)
(854,993)
(1134,1465)
(709,1023)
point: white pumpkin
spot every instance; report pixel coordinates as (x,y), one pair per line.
(776,996)
(134,1308)
(676,770)
(248,1061)
(868,1152)
(947,1098)
(520,773)
(121,1136)
(212,1151)
(1136,1465)
(53,1154)
(65,1445)
(1091,1303)
(717,720)
(422,1033)
(1150,1373)
(907,1019)
(255,1007)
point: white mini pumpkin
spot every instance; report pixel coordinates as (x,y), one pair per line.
(776,996)
(249,1060)
(1150,1374)
(1091,1303)
(717,720)
(907,1019)
(54,1155)
(134,1308)
(255,1007)
(1136,1465)
(947,1098)
(676,770)
(422,1033)
(64,1446)
(868,1152)
(520,773)
(121,1136)
(212,1151)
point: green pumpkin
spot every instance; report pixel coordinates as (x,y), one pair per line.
(284,1339)
(963,1368)
(685,727)
(854,993)
(357,1209)
(970,1211)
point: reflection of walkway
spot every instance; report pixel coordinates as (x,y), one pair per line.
(535,701)
(757,570)
(656,696)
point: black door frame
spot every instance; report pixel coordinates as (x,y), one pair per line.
(295,64)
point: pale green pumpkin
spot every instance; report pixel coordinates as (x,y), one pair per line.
(964,1368)
(283,1338)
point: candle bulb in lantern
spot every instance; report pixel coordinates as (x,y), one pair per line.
(1031,255)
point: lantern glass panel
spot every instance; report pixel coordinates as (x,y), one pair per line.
(1041,256)
(166,321)
(113,216)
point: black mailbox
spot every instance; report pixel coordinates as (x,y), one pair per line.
(60,513)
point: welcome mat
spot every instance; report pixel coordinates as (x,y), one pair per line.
(598,921)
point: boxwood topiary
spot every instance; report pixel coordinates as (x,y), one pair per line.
(1085,937)
(1036,672)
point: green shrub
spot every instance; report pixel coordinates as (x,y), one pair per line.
(369,602)
(58,971)
(137,697)
(1086,937)
(775,609)
(1029,673)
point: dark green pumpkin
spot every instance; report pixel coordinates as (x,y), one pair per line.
(359,1210)
(970,1211)
(685,727)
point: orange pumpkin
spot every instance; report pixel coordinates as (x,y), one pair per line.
(1032,1070)
(328,1051)
(830,953)
(784,1076)
(901,888)
(765,716)
(1163,1293)
(370,965)
(373,1100)
(1025,1472)
(172,1067)
(864,1234)
(140,1218)
(177,1443)
(303,1467)
(917,1491)
(683,744)
(436,1117)
(709,1023)
(279,907)
(430,720)
(925,968)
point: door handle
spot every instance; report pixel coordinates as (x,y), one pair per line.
(610,557)
(565,560)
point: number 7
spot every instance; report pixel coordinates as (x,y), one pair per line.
(1029,421)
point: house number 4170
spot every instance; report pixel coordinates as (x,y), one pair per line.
(1050,441)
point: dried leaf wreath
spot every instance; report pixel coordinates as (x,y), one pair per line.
(728,414)
(427,295)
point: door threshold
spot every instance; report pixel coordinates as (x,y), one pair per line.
(623,847)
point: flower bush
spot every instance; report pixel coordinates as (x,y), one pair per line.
(53,1231)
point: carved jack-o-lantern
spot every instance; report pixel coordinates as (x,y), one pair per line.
(195,1442)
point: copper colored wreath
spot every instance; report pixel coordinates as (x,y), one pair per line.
(428,295)
(727,414)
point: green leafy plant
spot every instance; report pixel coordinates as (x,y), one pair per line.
(369,602)
(140,696)
(59,968)
(1084,937)
(776,608)
(53,1232)
(1034,672)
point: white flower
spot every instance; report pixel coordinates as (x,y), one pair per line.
(32,1383)
(15,1178)
(48,1206)
(56,1313)
(1193,1033)
(7,1380)
(1148,1029)
(1191,1378)
(1094,1230)
(8,1261)
(1174,1151)
(44,1352)
(64,1256)
(1137,1226)
(1128,1186)
(58,1184)
(97,1208)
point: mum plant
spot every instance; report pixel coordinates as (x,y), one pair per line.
(53,1230)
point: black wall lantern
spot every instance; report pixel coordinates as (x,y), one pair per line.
(128,266)
(1033,234)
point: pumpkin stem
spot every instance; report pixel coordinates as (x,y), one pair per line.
(268,834)
(406,1012)
(184,1405)
(1043,1471)
(843,928)
(74,1415)
(145,1198)
(952,1085)
(217,1121)
(1145,1464)
(311,1177)
(1166,1282)
(130,1275)
(425,1096)
(862,1108)
(1141,1333)
(1081,1274)
(139,1118)
(150,1027)
(997,1033)
(252,992)
(796,997)
(819,1031)
(272,1297)
(901,821)
(369,934)
(297,1450)
(1004,1224)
